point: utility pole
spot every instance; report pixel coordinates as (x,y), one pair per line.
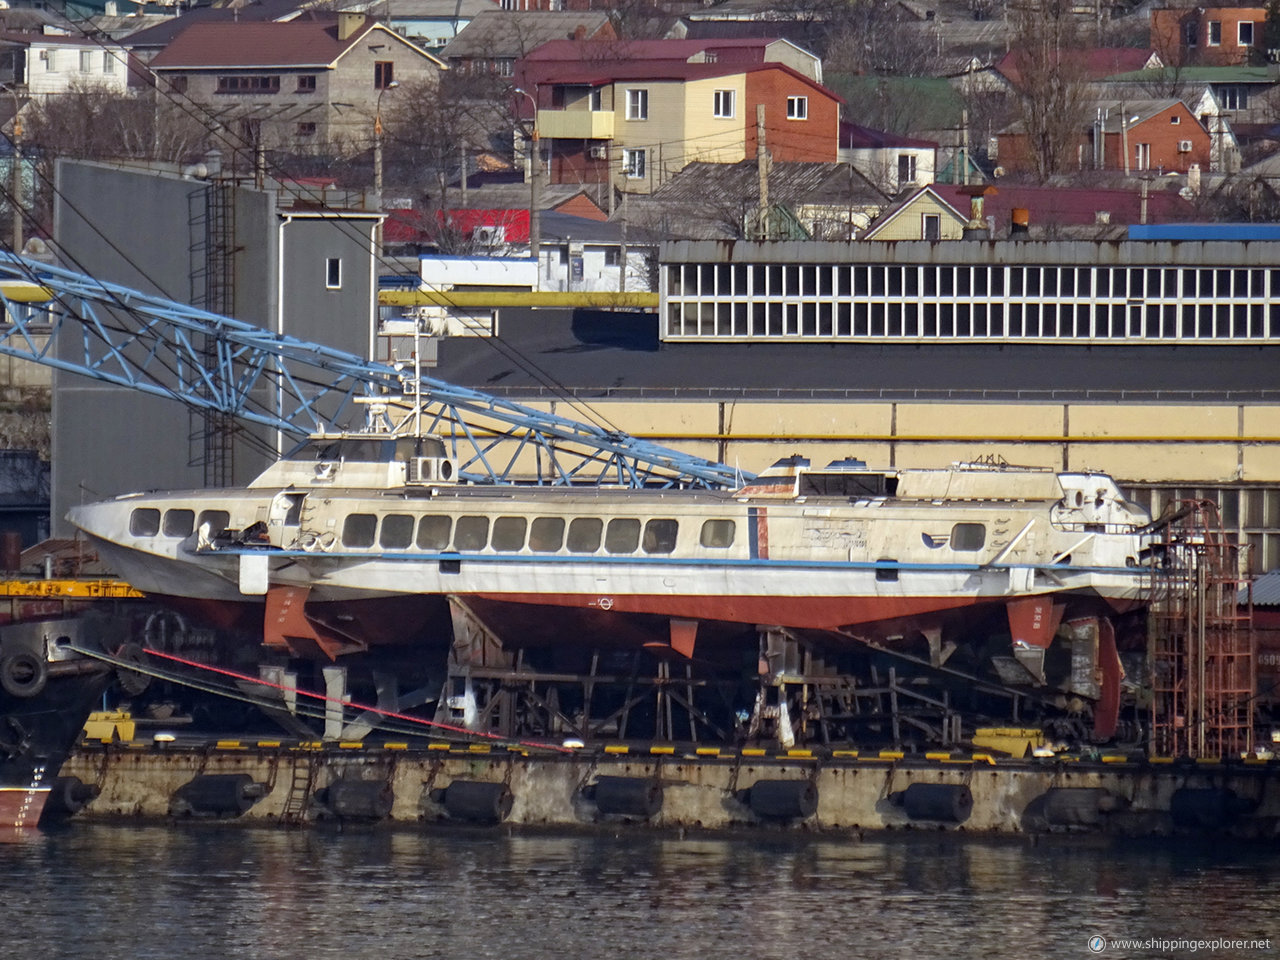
(762,171)
(377,162)
(15,189)
(535,192)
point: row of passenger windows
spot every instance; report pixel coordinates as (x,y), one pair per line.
(400,531)
(510,534)
(147,522)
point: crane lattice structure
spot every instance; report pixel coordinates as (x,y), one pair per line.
(72,322)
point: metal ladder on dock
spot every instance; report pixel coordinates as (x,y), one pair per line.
(301,783)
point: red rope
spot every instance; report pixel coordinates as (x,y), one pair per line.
(327,699)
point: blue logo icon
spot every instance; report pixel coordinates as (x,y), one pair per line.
(1097,944)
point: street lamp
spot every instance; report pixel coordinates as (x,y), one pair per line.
(535,189)
(377,156)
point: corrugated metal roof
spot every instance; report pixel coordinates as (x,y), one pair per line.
(1266,590)
(509,34)
(303,42)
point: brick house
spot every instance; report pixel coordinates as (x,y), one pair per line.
(1159,135)
(313,84)
(634,114)
(1207,36)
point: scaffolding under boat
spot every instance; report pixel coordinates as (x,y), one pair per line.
(1202,648)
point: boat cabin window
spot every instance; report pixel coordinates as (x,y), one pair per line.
(407,447)
(968,536)
(546,534)
(472,533)
(396,532)
(350,449)
(358,530)
(584,534)
(433,532)
(717,533)
(508,533)
(660,536)
(216,521)
(144,522)
(179,523)
(855,484)
(622,535)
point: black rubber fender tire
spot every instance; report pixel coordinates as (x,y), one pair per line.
(23,674)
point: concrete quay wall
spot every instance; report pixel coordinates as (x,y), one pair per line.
(714,792)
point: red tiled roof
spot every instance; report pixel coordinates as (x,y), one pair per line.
(1070,206)
(1095,63)
(301,42)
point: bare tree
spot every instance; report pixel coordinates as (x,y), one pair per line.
(92,123)
(1052,85)
(875,37)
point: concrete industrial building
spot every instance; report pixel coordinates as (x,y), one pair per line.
(260,255)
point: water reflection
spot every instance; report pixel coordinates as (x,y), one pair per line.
(151,892)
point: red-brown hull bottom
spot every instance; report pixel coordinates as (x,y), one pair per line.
(543,619)
(21,807)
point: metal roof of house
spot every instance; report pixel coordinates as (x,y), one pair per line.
(854,136)
(1051,207)
(596,73)
(308,41)
(160,34)
(708,200)
(509,34)
(1095,63)
(739,49)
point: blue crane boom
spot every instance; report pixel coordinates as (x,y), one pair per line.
(112,333)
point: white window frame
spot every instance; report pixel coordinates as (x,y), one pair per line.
(1142,156)
(637,103)
(925,219)
(50,61)
(86,61)
(910,160)
(723,104)
(630,167)
(108,62)
(1215,26)
(1241,26)
(333,273)
(797,108)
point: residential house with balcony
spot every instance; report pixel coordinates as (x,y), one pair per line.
(634,114)
(311,85)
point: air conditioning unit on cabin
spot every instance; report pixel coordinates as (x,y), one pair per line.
(598,153)
(1184,146)
(429,470)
